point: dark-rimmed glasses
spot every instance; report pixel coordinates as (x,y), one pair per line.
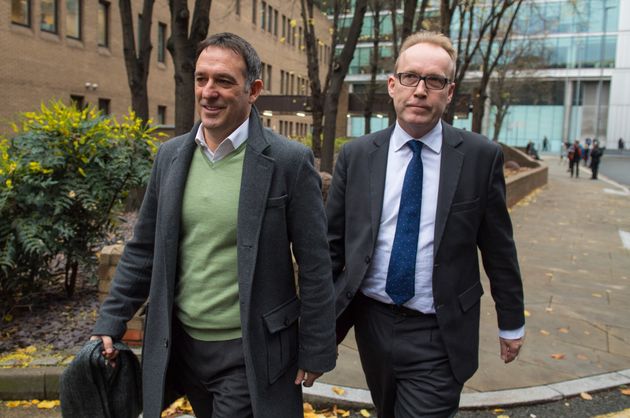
(431,82)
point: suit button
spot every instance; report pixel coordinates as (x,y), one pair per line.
(165,342)
(349,295)
(367,259)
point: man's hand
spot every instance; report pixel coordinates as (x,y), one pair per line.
(109,352)
(510,348)
(306,378)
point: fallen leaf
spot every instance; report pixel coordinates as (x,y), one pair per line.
(543,332)
(549,309)
(549,274)
(364,413)
(563,330)
(48,404)
(346,414)
(308,407)
(338,390)
(586,396)
(581,357)
(7,318)
(498,410)
(527,314)
(503,416)
(558,356)
(597,295)
(625,392)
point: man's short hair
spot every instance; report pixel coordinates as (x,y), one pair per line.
(429,37)
(241,47)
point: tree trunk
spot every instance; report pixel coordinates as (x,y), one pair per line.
(182,47)
(340,69)
(371,89)
(498,120)
(137,63)
(317,102)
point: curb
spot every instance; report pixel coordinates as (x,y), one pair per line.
(360,398)
(43,383)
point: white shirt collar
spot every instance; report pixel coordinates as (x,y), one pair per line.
(229,144)
(432,139)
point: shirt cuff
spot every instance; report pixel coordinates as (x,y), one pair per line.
(512,334)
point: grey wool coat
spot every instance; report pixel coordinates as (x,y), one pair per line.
(286,324)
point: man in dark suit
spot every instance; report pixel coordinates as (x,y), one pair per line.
(407,209)
(226,208)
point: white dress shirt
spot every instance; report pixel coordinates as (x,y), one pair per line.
(398,159)
(229,144)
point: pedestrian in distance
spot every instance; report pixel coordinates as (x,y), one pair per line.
(575,155)
(407,210)
(620,144)
(545,144)
(596,155)
(227,207)
(564,150)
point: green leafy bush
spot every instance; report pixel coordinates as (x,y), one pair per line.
(62,177)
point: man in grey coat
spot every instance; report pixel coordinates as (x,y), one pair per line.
(226,209)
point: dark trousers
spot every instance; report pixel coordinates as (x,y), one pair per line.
(574,164)
(405,362)
(594,168)
(211,374)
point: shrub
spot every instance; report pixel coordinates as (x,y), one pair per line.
(62,177)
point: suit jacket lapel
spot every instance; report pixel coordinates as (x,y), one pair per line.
(450,170)
(255,185)
(378,171)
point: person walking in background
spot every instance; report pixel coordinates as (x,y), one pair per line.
(596,155)
(408,208)
(585,153)
(564,151)
(620,144)
(545,144)
(575,155)
(227,207)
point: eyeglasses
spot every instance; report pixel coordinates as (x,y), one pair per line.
(431,82)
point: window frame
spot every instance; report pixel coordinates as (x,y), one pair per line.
(106,8)
(161,42)
(79,19)
(28,13)
(55,23)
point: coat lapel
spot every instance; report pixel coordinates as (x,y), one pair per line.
(378,171)
(255,185)
(171,201)
(450,170)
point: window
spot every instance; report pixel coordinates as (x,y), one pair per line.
(292,89)
(103,106)
(263,68)
(73,19)
(103,23)
(281,81)
(49,16)
(254,11)
(275,22)
(268,82)
(237,7)
(161,46)
(284,26)
(161,115)
(263,15)
(269,18)
(78,101)
(21,12)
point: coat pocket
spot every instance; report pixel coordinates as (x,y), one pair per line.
(282,338)
(471,296)
(463,206)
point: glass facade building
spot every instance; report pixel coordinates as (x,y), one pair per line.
(579,88)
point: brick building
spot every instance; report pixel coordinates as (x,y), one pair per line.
(72,50)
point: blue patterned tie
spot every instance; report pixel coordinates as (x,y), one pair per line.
(401,274)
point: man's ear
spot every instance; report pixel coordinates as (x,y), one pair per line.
(391,83)
(254,90)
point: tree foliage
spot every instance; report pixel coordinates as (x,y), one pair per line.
(62,177)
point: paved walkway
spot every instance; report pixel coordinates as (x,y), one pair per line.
(576,270)
(576,274)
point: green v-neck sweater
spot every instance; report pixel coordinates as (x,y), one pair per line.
(206,297)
